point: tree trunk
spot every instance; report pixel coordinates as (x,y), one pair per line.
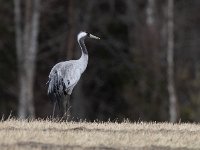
(170,60)
(71,36)
(150,13)
(26,53)
(153,46)
(80,102)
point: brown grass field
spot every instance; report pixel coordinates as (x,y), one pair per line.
(45,134)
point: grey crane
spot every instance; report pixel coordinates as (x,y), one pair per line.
(65,75)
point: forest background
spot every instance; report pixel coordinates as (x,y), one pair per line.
(145,67)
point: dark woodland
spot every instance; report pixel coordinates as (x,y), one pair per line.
(146,67)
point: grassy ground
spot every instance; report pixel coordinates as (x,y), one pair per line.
(38,134)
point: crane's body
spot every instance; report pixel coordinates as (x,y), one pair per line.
(65,75)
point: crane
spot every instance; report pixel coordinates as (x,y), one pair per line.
(65,75)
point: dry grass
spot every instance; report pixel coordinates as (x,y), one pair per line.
(44,134)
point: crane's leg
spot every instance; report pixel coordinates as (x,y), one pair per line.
(54,108)
(68,107)
(65,108)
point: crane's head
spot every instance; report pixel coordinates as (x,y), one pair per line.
(83,35)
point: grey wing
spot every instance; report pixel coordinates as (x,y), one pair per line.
(71,76)
(56,89)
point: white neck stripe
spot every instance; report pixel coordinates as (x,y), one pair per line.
(81,35)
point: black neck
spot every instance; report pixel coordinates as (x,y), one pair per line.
(83,47)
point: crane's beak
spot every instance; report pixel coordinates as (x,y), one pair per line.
(94,37)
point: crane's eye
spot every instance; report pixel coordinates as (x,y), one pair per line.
(88,34)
